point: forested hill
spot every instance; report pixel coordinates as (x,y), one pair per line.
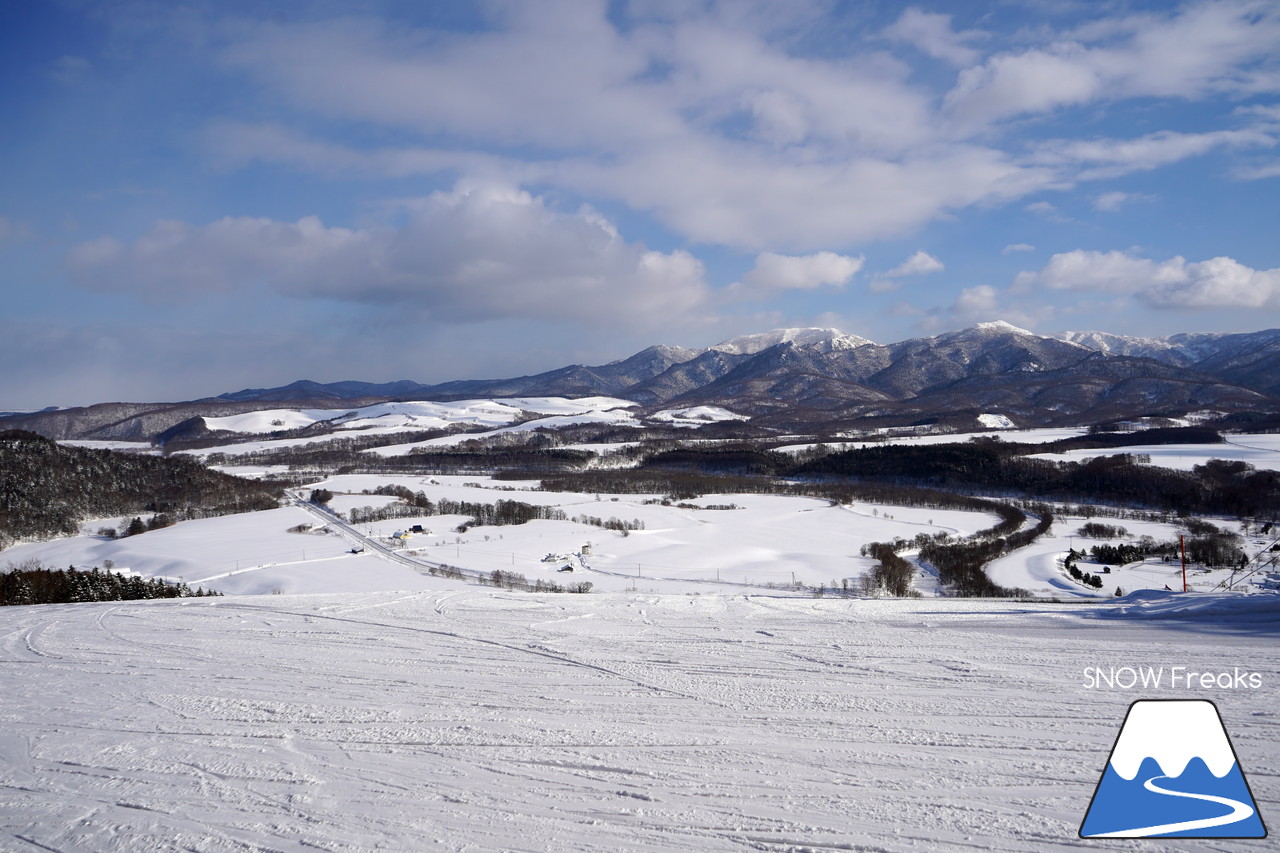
(991,466)
(46,489)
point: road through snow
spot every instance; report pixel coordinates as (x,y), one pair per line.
(492,720)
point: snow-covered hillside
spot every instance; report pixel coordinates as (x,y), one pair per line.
(699,545)
(418,415)
(506,721)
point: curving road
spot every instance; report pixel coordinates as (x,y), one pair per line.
(374,546)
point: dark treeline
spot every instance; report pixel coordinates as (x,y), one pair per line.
(684,486)
(342,457)
(961,566)
(1160,435)
(47,489)
(1098,530)
(33,584)
(746,460)
(891,573)
(1215,550)
(1218,487)
(503,512)
(348,441)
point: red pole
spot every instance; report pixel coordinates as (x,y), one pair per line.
(1182,542)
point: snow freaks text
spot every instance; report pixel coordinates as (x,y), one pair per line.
(1172,678)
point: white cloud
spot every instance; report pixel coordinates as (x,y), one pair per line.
(984,303)
(975,302)
(932,33)
(712,126)
(921,263)
(475,254)
(1010,84)
(710,119)
(1257,173)
(1014,248)
(1176,283)
(1113,201)
(1202,48)
(1265,114)
(724,194)
(774,273)
(1048,211)
(1106,158)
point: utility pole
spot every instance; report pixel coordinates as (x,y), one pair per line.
(1182,543)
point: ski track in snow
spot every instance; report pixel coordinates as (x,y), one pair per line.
(487,720)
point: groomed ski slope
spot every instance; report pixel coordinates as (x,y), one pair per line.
(487,720)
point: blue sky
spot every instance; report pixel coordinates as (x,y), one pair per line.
(200,197)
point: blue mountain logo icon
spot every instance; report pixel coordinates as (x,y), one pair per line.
(1173,773)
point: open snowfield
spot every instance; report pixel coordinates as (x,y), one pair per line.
(768,541)
(1023,436)
(1038,567)
(406,417)
(1260,451)
(485,720)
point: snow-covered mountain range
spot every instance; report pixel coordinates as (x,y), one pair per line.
(820,378)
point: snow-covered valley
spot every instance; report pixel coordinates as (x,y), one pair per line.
(728,683)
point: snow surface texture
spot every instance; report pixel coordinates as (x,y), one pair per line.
(506,721)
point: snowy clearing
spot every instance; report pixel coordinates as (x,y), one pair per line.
(1038,569)
(696,416)
(416,416)
(1024,436)
(1260,451)
(507,721)
(766,541)
(724,542)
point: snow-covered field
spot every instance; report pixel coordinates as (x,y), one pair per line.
(1260,451)
(1023,436)
(416,416)
(768,541)
(484,720)
(1038,567)
(765,542)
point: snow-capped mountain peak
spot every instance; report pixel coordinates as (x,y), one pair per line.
(827,339)
(1127,345)
(1002,327)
